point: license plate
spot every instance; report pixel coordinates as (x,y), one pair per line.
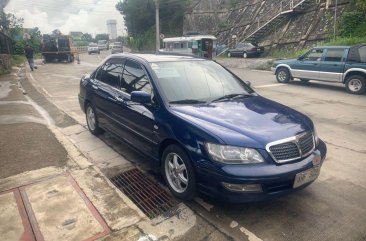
(306,176)
(259,49)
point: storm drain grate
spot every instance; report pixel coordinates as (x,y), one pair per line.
(147,195)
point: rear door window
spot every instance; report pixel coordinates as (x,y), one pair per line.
(111,72)
(334,55)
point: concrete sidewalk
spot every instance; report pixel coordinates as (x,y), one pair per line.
(75,200)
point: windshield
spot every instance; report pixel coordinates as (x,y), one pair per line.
(197,81)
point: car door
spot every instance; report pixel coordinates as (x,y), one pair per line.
(106,85)
(239,49)
(332,66)
(136,121)
(308,66)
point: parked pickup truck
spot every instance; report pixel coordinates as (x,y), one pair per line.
(342,64)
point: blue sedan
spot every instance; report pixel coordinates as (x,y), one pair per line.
(205,128)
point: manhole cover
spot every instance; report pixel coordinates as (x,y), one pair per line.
(146,194)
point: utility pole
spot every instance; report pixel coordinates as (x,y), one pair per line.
(157,25)
(335,18)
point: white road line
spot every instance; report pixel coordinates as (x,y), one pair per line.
(33,80)
(41,111)
(266,86)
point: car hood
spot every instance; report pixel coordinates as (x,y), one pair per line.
(253,121)
(284,61)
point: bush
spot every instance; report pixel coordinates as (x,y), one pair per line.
(352,23)
(19,48)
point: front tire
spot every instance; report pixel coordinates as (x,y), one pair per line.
(92,120)
(283,75)
(178,172)
(356,84)
(229,55)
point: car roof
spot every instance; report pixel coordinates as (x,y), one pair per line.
(333,47)
(152,58)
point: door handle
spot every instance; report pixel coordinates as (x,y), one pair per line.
(119,99)
(112,99)
(95,87)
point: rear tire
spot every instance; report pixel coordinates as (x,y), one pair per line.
(92,120)
(356,84)
(283,75)
(304,80)
(245,55)
(178,172)
(228,54)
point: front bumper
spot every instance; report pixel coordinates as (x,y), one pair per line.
(273,70)
(275,180)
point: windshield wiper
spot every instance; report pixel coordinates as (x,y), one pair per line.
(229,97)
(187,101)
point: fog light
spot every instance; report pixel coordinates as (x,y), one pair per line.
(243,187)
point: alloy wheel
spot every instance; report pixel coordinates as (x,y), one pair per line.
(90,117)
(176,172)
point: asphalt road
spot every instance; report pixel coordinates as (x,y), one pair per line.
(332,208)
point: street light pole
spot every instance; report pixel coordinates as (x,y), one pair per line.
(157,25)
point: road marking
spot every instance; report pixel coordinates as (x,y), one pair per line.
(65,76)
(41,111)
(266,86)
(251,236)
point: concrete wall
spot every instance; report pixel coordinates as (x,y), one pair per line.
(225,18)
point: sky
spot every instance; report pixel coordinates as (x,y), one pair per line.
(87,16)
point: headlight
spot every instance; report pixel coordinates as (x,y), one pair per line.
(233,154)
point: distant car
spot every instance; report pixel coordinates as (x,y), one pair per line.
(340,64)
(202,126)
(117,48)
(93,48)
(245,50)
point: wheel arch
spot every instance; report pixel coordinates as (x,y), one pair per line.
(350,72)
(167,142)
(283,66)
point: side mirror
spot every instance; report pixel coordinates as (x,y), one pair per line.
(140,97)
(247,82)
(300,58)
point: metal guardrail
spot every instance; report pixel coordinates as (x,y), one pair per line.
(280,9)
(82,49)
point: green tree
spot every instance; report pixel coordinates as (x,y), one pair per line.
(10,24)
(139,18)
(352,22)
(87,37)
(56,32)
(101,36)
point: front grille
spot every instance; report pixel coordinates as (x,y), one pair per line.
(285,151)
(292,148)
(306,143)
